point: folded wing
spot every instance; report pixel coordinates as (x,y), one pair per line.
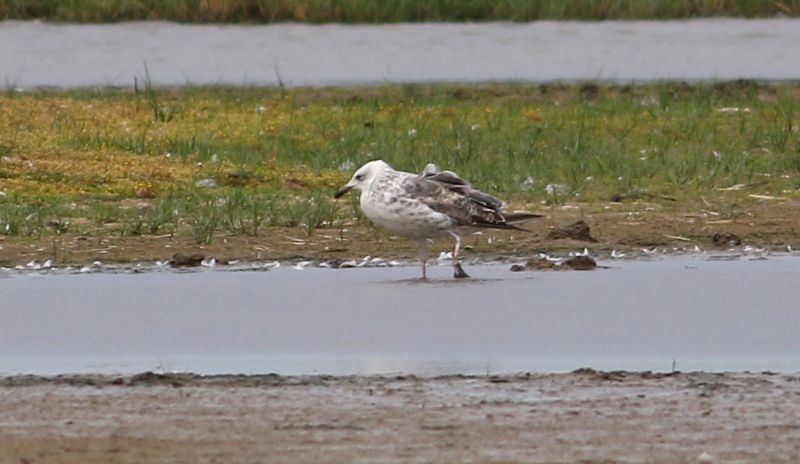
(445,192)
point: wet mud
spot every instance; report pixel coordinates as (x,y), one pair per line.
(629,227)
(583,416)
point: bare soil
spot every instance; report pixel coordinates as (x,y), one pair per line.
(586,416)
(768,223)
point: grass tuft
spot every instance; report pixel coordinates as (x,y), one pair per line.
(161,112)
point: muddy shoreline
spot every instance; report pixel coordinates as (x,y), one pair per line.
(582,416)
(190,379)
(624,226)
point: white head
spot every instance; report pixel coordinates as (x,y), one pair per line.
(363,177)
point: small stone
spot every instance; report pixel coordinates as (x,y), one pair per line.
(186,260)
(580,263)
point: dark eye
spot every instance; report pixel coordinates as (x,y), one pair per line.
(359,176)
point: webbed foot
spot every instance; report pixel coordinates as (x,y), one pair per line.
(458,272)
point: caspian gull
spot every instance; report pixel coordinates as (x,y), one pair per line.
(427,205)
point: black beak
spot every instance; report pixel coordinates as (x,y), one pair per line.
(342,191)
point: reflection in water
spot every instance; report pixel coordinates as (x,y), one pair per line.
(439,282)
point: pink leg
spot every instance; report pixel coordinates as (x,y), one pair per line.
(423,257)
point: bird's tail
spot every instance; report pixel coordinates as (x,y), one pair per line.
(509,221)
(514,218)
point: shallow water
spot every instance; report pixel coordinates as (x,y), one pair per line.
(701,314)
(40,54)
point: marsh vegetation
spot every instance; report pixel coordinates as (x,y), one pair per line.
(365,11)
(198,160)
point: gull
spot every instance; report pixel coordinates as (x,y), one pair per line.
(428,205)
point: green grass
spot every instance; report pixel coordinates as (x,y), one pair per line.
(370,11)
(32,218)
(240,161)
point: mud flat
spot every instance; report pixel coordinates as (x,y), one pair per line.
(584,416)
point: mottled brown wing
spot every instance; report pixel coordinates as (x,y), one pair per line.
(452,181)
(465,205)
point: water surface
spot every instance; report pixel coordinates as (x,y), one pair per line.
(695,312)
(67,55)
